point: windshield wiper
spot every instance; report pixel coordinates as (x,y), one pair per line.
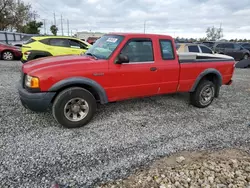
(90,54)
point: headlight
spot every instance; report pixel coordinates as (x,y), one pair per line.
(31,82)
(26,54)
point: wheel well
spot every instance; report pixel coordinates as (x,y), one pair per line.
(212,77)
(39,56)
(6,51)
(84,86)
(215,79)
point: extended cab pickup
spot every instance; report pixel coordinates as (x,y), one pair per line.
(118,67)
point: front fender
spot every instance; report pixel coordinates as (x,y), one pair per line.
(81,81)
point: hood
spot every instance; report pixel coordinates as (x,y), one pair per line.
(55,63)
(10,46)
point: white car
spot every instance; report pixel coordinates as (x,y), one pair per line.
(191,47)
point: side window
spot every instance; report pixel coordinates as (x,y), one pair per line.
(231,46)
(74,44)
(139,50)
(220,46)
(193,48)
(83,45)
(167,52)
(44,41)
(59,42)
(77,44)
(206,50)
(237,47)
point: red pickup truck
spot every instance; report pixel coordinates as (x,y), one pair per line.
(117,67)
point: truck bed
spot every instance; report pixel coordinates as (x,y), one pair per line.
(194,64)
(190,56)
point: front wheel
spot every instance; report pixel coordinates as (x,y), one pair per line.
(74,107)
(204,94)
(8,56)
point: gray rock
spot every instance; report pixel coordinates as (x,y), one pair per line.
(180,159)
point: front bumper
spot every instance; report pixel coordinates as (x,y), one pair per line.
(229,83)
(18,54)
(24,61)
(38,102)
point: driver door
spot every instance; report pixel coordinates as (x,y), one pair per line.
(58,46)
(140,76)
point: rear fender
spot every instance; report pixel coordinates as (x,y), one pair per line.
(203,74)
(39,53)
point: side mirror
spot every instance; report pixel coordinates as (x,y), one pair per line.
(122,59)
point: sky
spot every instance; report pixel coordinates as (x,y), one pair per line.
(182,18)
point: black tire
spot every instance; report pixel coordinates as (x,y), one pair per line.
(7,56)
(246,56)
(196,98)
(58,108)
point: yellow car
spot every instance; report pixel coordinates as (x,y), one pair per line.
(43,46)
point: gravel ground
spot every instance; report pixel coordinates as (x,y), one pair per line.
(123,136)
(218,169)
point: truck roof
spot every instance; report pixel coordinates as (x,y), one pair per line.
(139,34)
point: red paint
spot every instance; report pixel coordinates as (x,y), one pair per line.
(15,50)
(127,80)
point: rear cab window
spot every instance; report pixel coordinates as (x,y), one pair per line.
(167,50)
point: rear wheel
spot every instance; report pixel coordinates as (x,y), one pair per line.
(246,56)
(7,56)
(74,107)
(204,94)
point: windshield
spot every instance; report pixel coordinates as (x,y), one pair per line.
(26,38)
(105,46)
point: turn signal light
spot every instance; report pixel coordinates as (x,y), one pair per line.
(32,82)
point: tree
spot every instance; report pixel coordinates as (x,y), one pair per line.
(54,29)
(6,7)
(14,14)
(32,27)
(214,33)
(204,39)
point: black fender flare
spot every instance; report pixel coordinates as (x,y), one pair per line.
(81,81)
(204,73)
(34,53)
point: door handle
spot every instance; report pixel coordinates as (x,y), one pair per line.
(153,69)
